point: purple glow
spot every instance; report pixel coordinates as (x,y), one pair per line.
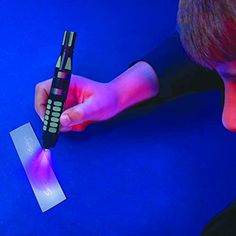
(40,171)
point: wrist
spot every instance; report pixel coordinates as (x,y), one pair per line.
(135,85)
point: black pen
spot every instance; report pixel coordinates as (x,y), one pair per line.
(58,91)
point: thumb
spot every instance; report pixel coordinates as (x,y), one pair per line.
(76,115)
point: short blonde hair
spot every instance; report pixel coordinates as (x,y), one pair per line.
(208,30)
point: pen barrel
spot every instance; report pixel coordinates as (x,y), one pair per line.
(58,92)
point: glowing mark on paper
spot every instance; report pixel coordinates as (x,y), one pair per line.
(40,170)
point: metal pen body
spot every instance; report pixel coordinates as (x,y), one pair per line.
(58,91)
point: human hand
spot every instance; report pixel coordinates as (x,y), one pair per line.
(87,102)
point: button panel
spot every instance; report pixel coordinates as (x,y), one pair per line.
(52,115)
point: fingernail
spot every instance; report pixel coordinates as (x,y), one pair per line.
(65,120)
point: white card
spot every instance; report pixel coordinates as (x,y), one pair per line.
(37,166)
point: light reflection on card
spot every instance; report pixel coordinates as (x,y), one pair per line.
(39,169)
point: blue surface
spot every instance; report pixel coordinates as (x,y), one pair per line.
(163,170)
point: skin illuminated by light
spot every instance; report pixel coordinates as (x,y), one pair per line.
(227,71)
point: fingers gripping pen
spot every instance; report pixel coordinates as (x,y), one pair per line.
(58,91)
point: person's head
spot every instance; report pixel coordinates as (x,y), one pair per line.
(208,33)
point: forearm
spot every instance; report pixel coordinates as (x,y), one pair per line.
(135,85)
(165,73)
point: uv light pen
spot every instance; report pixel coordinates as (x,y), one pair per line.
(58,91)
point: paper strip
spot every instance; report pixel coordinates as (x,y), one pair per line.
(38,168)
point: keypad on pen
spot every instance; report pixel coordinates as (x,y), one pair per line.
(52,115)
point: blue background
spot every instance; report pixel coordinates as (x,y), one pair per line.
(153,170)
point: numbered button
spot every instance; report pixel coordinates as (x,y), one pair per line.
(56,114)
(54,119)
(52,130)
(56,109)
(54,125)
(58,104)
